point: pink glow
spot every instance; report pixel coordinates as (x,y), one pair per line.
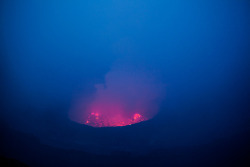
(126,98)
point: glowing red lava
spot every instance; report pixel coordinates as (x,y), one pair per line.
(99,120)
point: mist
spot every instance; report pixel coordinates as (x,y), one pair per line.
(128,96)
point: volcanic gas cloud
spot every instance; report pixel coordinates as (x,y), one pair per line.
(127,97)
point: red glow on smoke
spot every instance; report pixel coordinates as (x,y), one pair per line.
(110,112)
(99,120)
(126,97)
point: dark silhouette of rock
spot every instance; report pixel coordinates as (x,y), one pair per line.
(18,146)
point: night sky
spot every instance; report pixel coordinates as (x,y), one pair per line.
(73,73)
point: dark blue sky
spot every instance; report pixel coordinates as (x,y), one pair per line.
(53,51)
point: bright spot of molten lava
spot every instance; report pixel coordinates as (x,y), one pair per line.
(127,97)
(136,116)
